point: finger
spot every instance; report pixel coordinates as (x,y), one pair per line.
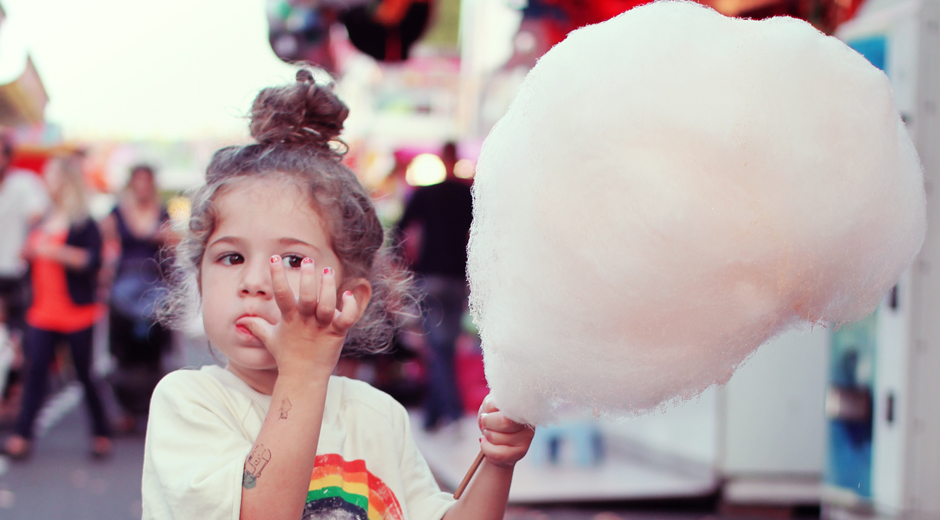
(346,318)
(489,404)
(282,293)
(499,455)
(485,407)
(307,301)
(497,421)
(327,304)
(257,326)
(504,439)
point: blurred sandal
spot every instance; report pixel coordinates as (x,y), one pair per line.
(100,448)
(17,448)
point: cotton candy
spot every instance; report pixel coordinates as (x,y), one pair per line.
(669,190)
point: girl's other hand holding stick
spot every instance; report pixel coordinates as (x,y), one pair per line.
(504,442)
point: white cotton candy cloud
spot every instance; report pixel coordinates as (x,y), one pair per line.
(669,190)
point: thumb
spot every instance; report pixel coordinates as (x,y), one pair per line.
(489,404)
(257,326)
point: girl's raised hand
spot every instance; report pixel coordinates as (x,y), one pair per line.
(504,441)
(309,338)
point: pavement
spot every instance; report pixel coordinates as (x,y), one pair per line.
(61,480)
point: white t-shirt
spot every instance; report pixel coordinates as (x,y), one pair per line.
(22,196)
(204,422)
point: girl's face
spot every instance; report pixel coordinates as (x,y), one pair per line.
(256,220)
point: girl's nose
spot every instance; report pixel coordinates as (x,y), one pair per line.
(256,280)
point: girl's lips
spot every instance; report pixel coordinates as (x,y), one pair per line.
(246,338)
(242,330)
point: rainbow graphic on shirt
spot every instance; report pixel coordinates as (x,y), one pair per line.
(338,485)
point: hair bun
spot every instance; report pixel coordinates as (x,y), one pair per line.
(304,76)
(303,113)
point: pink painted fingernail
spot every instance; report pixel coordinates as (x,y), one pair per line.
(481,440)
(307,260)
(347,293)
(275,259)
(327,271)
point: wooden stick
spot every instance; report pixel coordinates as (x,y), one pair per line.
(468,476)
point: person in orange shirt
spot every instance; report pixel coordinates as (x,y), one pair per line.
(64,252)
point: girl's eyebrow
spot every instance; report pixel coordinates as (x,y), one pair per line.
(283,241)
(226,239)
(290,241)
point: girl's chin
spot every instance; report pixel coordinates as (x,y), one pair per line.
(260,379)
(250,356)
(254,367)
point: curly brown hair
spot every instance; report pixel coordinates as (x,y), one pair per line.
(297,127)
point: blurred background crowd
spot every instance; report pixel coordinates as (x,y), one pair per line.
(110,111)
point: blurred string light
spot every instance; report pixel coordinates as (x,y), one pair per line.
(375,167)
(465,169)
(179,208)
(425,169)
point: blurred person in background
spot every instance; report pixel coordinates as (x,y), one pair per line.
(64,252)
(11,356)
(137,230)
(443,213)
(23,201)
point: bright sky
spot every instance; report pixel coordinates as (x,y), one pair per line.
(144,69)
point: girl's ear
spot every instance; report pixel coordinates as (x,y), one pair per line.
(361,290)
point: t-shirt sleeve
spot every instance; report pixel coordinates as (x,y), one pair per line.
(423,497)
(194,455)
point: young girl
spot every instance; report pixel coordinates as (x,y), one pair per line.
(285,254)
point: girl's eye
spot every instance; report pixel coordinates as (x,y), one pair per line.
(292,261)
(231,259)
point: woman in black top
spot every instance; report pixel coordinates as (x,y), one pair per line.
(140,227)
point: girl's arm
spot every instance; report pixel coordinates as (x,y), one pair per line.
(306,344)
(504,443)
(278,468)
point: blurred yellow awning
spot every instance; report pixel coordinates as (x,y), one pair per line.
(23,97)
(23,100)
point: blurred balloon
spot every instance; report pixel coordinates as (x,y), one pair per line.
(299,30)
(386,29)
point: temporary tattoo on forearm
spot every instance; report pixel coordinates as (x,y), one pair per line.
(256,462)
(285,407)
